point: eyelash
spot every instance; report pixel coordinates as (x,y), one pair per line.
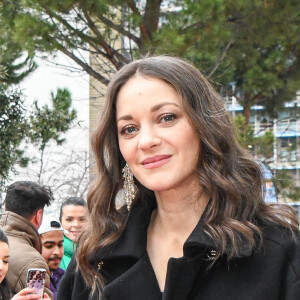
(173,116)
(49,247)
(125,129)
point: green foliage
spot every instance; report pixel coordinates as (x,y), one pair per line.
(286,185)
(264,145)
(244,132)
(15,63)
(47,124)
(13,129)
(261,146)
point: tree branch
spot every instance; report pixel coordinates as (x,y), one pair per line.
(103,43)
(84,66)
(221,58)
(119,29)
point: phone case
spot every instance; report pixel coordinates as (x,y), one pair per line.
(36,280)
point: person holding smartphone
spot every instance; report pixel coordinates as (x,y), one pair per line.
(5,292)
(24,207)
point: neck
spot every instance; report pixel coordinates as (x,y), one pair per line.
(178,212)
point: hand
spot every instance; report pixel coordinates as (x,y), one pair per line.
(28,294)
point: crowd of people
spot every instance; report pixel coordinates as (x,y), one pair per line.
(31,239)
(194,225)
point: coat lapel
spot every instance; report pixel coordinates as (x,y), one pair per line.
(139,282)
(128,272)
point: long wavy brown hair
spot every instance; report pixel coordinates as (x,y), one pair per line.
(226,171)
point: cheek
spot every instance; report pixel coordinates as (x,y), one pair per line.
(127,149)
(66,225)
(71,237)
(46,253)
(6,268)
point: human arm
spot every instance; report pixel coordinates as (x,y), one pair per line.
(36,263)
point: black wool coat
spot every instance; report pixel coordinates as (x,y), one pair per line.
(270,273)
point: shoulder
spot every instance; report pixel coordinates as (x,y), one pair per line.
(283,244)
(285,238)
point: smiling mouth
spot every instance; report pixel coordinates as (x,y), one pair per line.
(155,161)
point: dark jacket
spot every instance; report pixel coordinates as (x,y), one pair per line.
(271,273)
(25,251)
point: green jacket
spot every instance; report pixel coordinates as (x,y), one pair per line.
(69,248)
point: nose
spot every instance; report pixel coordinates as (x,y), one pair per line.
(76,223)
(1,265)
(148,138)
(56,250)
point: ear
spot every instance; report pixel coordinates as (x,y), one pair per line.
(36,219)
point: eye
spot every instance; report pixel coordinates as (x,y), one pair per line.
(166,118)
(129,129)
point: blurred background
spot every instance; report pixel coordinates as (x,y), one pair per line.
(57,57)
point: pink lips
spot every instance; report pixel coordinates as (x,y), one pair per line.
(155,161)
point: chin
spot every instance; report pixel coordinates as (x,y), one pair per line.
(72,237)
(159,187)
(53,268)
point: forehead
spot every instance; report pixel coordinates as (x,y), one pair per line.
(141,88)
(53,236)
(73,211)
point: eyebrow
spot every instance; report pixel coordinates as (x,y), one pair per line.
(52,242)
(153,109)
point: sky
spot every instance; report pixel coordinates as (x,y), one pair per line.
(48,77)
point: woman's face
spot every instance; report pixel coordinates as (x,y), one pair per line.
(74,220)
(155,136)
(4,256)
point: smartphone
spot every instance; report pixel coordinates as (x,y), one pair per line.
(36,280)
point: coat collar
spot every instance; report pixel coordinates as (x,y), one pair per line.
(133,241)
(15,225)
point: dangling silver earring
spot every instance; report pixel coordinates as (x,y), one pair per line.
(128,186)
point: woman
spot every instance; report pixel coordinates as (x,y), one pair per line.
(73,219)
(5,293)
(197,225)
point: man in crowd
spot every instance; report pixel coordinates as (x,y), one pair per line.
(52,237)
(24,205)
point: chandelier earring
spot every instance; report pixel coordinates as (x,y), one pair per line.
(129,187)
